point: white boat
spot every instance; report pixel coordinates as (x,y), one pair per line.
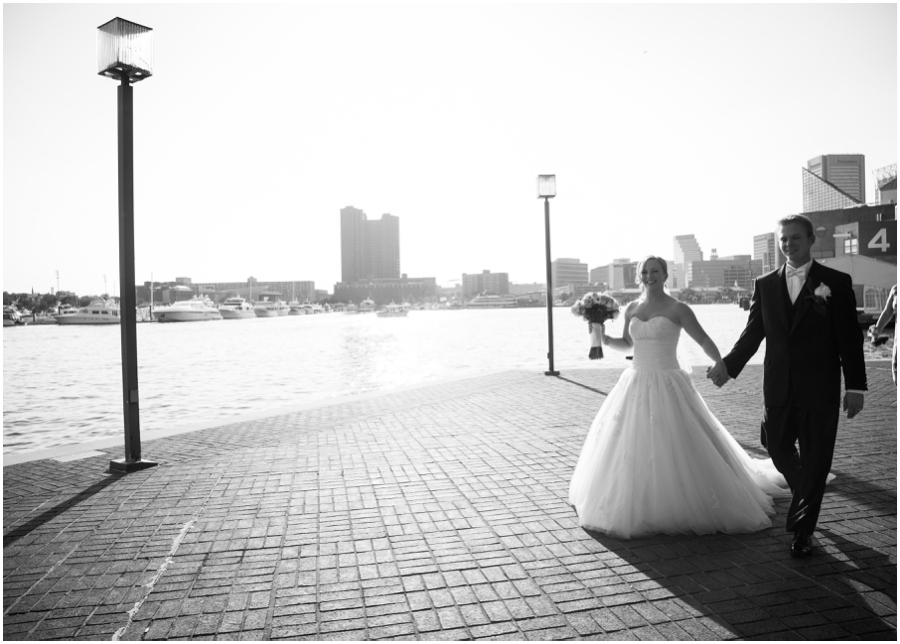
(305,309)
(64,311)
(99,311)
(196,309)
(266,308)
(236,308)
(393,311)
(485,301)
(11,317)
(366,306)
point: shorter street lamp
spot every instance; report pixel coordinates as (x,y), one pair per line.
(125,54)
(546,185)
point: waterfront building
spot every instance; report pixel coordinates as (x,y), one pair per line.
(846,172)
(874,236)
(369,249)
(568,271)
(685,250)
(485,282)
(183,288)
(384,291)
(618,274)
(723,272)
(886,184)
(872,279)
(765,249)
(527,289)
(819,194)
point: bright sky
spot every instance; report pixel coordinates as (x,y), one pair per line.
(262,121)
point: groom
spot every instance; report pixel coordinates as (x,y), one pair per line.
(806,312)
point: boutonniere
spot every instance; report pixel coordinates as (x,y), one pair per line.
(820,298)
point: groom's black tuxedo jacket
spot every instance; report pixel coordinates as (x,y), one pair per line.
(808,343)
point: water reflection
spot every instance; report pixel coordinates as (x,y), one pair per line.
(63,384)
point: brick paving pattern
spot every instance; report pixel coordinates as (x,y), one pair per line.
(437,513)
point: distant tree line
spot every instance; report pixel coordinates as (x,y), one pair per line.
(41,303)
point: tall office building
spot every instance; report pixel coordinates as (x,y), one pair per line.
(766,251)
(685,250)
(847,172)
(369,249)
(834,181)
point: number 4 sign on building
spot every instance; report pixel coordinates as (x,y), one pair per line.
(880,241)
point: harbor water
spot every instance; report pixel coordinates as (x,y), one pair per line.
(63,384)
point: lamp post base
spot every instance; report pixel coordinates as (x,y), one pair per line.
(124,465)
(551,373)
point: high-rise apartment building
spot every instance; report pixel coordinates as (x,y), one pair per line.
(766,251)
(685,250)
(847,172)
(565,271)
(369,249)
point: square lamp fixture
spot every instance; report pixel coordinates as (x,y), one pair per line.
(125,50)
(546,184)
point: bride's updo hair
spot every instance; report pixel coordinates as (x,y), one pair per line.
(643,262)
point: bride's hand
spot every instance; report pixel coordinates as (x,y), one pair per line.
(603,338)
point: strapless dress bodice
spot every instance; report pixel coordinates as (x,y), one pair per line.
(655,343)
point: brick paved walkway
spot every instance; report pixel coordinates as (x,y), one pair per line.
(433,513)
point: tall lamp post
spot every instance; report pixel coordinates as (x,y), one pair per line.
(546,185)
(125,54)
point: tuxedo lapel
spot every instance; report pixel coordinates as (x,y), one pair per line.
(801,306)
(784,299)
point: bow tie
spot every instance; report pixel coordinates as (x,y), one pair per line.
(799,273)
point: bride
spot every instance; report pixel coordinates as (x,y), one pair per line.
(655,458)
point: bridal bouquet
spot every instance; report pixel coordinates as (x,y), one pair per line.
(596,308)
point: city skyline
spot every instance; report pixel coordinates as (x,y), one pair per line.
(241,170)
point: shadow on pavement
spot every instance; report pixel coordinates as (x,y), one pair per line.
(849,593)
(574,382)
(20,531)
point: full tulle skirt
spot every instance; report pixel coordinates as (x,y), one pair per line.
(656,460)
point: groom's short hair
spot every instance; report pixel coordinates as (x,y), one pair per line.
(798,219)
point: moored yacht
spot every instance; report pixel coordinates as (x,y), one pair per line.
(196,309)
(367,306)
(11,317)
(99,311)
(64,311)
(236,308)
(266,308)
(393,311)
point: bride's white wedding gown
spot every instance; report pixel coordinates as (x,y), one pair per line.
(656,460)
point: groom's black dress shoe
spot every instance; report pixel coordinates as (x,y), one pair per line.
(801,545)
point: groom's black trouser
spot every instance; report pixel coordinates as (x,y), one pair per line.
(806,471)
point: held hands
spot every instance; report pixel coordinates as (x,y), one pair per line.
(853,403)
(718,373)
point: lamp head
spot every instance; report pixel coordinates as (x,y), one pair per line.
(124,50)
(546,186)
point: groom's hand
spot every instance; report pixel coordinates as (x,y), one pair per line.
(718,373)
(853,403)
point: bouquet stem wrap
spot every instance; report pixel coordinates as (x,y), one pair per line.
(596,308)
(596,331)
